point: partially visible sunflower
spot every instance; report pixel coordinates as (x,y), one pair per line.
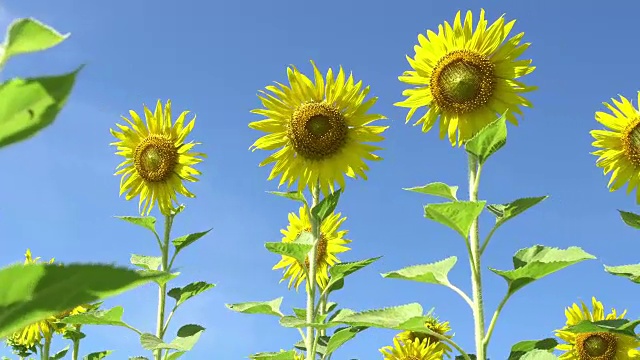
(411,350)
(466,78)
(595,345)
(434,325)
(619,147)
(157,158)
(319,128)
(331,242)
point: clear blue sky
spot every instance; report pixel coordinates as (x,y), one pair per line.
(212,57)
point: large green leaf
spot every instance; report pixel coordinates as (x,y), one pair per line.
(27,36)
(29,105)
(456,215)
(437,189)
(187,337)
(186,240)
(341,336)
(387,318)
(631,272)
(187,292)
(630,219)
(619,326)
(111,317)
(505,212)
(271,307)
(434,273)
(538,261)
(341,270)
(488,140)
(518,350)
(33,292)
(326,206)
(297,249)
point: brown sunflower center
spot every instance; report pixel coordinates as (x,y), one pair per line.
(321,251)
(596,346)
(631,142)
(462,81)
(155,158)
(317,131)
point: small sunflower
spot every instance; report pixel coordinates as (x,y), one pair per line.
(320,129)
(595,345)
(434,325)
(157,158)
(331,242)
(619,148)
(467,77)
(411,350)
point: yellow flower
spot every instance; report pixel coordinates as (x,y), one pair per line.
(411,350)
(331,243)
(619,148)
(467,77)
(319,128)
(595,345)
(434,325)
(157,158)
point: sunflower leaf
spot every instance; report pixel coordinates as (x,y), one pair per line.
(271,307)
(538,261)
(437,189)
(29,35)
(488,140)
(46,290)
(186,240)
(539,355)
(283,355)
(631,272)
(341,270)
(60,354)
(291,195)
(523,347)
(30,105)
(295,322)
(112,317)
(147,222)
(326,206)
(456,215)
(341,336)
(619,326)
(434,273)
(175,355)
(98,355)
(630,219)
(298,249)
(146,262)
(386,318)
(321,347)
(505,212)
(187,292)
(187,337)
(152,342)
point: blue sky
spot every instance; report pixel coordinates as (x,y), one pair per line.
(212,57)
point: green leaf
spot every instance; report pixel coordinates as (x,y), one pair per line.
(175,355)
(437,189)
(341,336)
(387,318)
(187,337)
(297,249)
(112,317)
(619,326)
(166,276)
(538,261)
(146,262)
(326,206)
(283,355)
(60,354)
(29,105)
(147,222)
(29,35)
(152,342)
(291,195)
(98,355)
(186,240)
(185,293)
(488,140)
(138,358)
(321,347)
(434,273)
(630,219)
(539,355)
(295,322)
(631,272)
(523,347)
(341,270)
(258,307)
(46,290)
(505,212)
(456,215)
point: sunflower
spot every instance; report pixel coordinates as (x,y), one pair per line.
(320,128)
(411,350)
(619,148)
(157,158)
(466,77)
(434,325)
(595,345)
(331,242)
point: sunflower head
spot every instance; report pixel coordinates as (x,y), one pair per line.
(434,325)
(466,77)
(320,129)
(411,350)
(331,243)
(619,145)
(157,158)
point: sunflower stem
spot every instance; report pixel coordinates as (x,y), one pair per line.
(46,348)
(162,292)
(76,346)
(323,310)
(494,319)
(311,279)
(476,276)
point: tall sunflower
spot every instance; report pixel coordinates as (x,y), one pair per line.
(619,147)
(411,350)
(467,77)
(331,242)
(319,128)
(157,158)
(434,325)
(595,345)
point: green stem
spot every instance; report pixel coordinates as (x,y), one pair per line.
(494,319)
(76,345)
(46,348)
(476,273)
(311,278)
(449,341)
(323,310)
(162,292)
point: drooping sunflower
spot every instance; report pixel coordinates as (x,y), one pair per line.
(158,159)
(320,129)
(331,242)
(434,325)
(411,350)
(619,151)
(595,345)
(466,78)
